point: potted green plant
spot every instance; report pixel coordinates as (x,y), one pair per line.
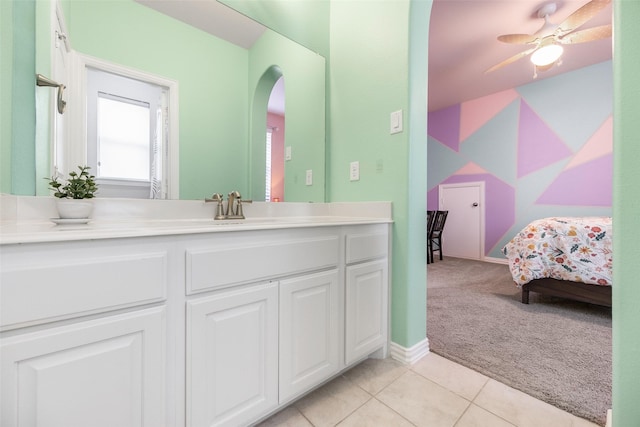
(72,197)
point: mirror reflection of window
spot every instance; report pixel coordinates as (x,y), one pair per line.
(126,135)
(274,181)
(123,138)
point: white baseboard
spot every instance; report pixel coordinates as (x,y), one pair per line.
(410,355)
(496,260)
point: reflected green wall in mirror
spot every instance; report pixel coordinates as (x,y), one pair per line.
(214,92)
(304,78)
(306,22)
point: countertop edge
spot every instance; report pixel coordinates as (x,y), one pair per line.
(48,232)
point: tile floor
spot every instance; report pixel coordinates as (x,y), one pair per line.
(433,392)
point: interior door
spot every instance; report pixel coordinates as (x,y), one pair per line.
(463,235)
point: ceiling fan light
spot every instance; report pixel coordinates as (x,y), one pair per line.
(546,55)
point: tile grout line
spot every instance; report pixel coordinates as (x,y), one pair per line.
(375,396)
(394,411)
(489,379)
(408,369)
(462,414)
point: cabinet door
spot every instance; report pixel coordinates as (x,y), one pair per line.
(232,356)
(366,309)
(309,331)
(107,372)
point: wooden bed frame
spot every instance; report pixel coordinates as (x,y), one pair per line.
(594,294)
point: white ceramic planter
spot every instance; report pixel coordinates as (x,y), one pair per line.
(74,208)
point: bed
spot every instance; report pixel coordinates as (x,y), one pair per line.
(568,257)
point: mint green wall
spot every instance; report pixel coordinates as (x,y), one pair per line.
(18,134)
(304,85)
(212,76)
(6,99)
(306,22)
(416,230)
(369,63)
(626,207)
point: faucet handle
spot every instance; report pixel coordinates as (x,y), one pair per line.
(239,204)
(217,197)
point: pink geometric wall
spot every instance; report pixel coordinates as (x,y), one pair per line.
(542,149)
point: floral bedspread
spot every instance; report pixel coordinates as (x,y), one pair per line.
(563,248)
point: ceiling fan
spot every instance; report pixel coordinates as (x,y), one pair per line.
(547,41)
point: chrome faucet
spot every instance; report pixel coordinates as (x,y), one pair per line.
(234,205)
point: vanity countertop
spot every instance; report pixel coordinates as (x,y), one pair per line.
(47,231)
(32,219)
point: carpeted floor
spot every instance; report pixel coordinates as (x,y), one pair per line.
(556,350)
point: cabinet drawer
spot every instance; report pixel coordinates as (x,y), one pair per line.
(367,244)
(49,282)
(222,265)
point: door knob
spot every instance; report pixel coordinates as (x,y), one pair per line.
(475,205)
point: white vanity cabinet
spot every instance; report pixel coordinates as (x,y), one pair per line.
(232,356)
(83,339)
(217,327)
(310,336)
(366,291)
(263,322)
(107,372)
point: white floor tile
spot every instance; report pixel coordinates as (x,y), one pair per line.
(332,403)
(457,378)
(375,414)
(434,392)
(475,416)
(423,402)
(375,374)
(519,408)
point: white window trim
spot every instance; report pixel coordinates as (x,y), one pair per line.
(75,150)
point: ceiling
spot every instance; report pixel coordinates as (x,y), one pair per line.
(463,45)
(462,41)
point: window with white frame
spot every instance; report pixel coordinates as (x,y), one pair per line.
(126,135)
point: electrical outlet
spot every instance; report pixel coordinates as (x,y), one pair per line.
(309,180)
(354,171)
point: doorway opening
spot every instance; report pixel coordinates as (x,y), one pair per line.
(274,153)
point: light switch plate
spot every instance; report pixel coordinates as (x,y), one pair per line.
(309,180)
(354,171)
(396,122)
(287,152)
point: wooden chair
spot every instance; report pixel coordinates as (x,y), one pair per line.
(434,241)
(431,215)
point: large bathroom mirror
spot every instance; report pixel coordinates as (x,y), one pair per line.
(222,111)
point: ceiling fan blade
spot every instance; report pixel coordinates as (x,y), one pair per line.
(518,38)
(590,34)
(580,16)
(508,61)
